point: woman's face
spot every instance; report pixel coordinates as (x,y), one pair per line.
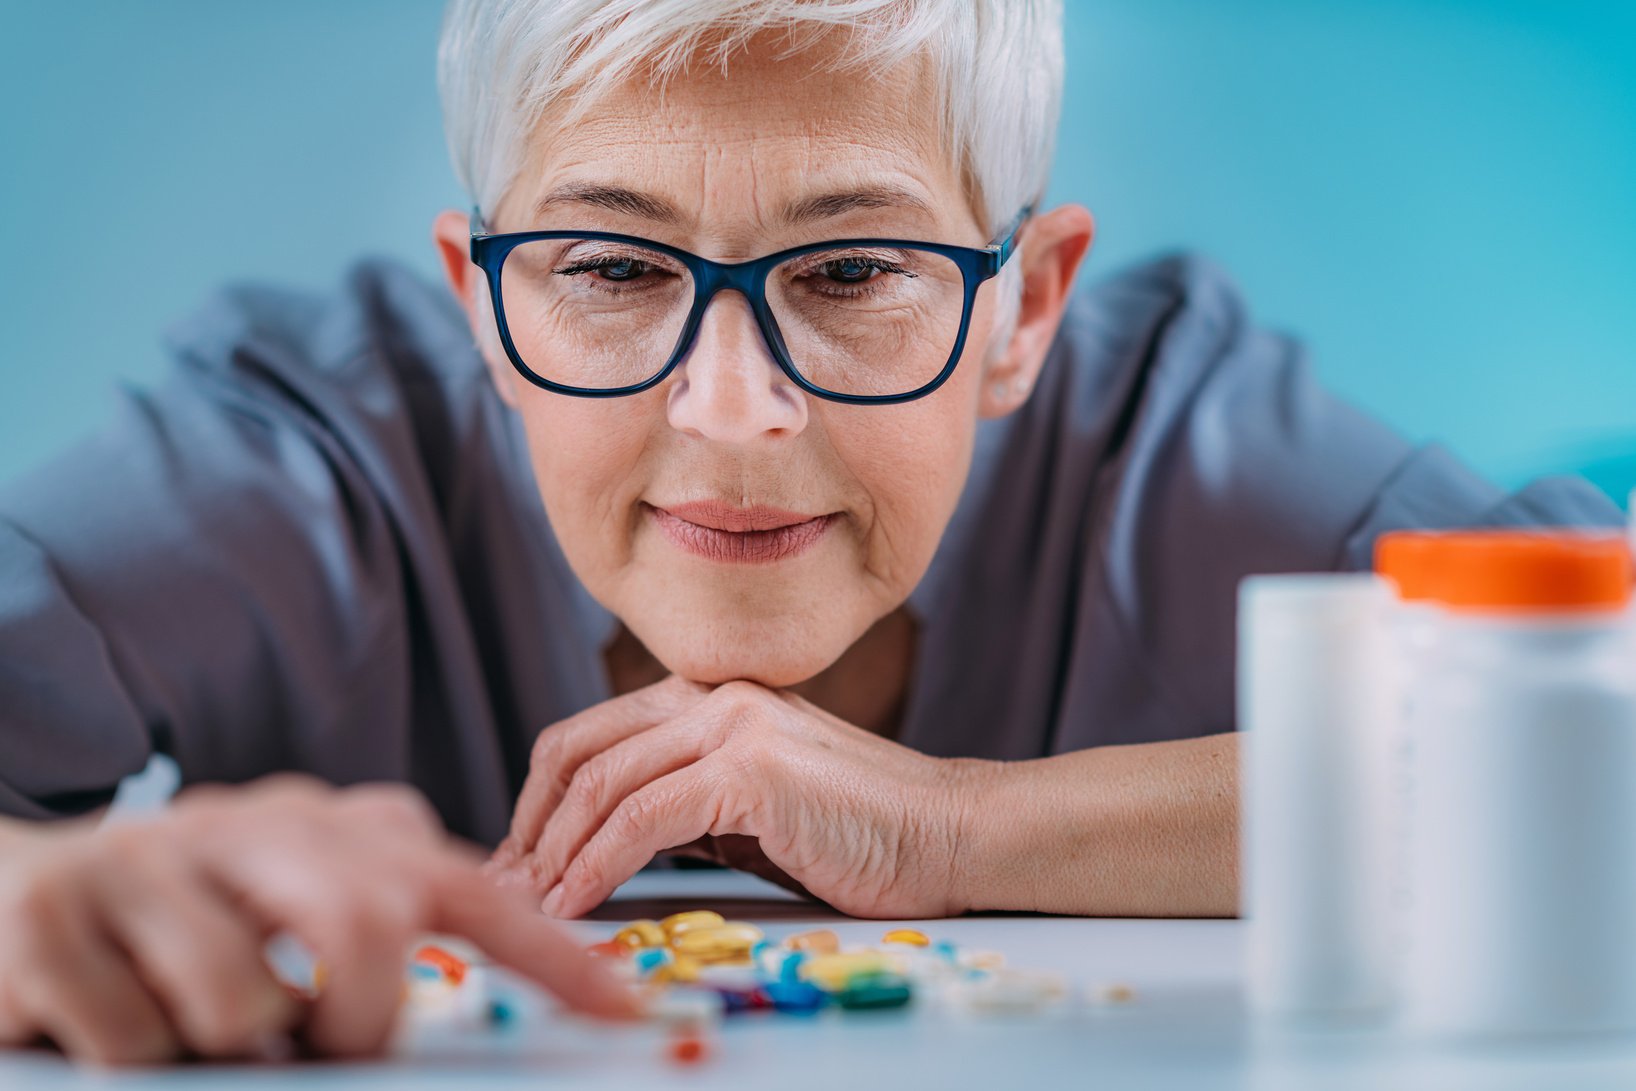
(649,494)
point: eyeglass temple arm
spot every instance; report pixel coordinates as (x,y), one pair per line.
(478,228)
(1006,241)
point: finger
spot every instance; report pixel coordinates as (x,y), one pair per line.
(197,953)
(70,983)
(388,809)
(15,1030)
(603,782)
(673,810)
(561,748)
(526,942)
(335,891)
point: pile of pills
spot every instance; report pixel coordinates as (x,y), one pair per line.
(696,968)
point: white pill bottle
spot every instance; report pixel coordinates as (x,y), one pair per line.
(1520,791)
(1314,705)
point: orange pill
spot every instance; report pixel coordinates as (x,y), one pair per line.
(609,949)
(821,941)
(688,1049)
(454,969)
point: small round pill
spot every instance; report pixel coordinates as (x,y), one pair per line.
(1112,992)
(688,1049)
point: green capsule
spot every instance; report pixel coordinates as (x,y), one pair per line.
(870,991)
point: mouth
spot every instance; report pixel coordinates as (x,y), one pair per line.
(723,533)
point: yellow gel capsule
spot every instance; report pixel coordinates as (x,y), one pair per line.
(641,934)
(819,942)
(912,936)
(831,972)
(682,970)
(677,923)
(716,943)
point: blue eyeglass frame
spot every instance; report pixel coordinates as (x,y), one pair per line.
(749,278)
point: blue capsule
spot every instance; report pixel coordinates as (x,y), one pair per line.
(649,959)
(795,996)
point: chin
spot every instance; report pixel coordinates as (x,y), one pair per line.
(775,656)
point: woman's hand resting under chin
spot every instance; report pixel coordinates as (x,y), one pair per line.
(752,777)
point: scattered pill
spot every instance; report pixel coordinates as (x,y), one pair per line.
(727,975)
(678,923)
(1009,992)
(795,997)
(649,959)
(832,972)
(981,960)
(453,968)
(875,990)
(717,942)
(734,1001)
(819,942)
(1112,993)
(609,949)
(688,1049)
(641,934)
(681,968)
(912,936)
(686,1007)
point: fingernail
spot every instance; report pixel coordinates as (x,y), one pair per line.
(552,902)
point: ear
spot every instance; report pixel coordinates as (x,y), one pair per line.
(451,231)
(1051,247)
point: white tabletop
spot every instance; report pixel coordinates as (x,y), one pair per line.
(1186,1027)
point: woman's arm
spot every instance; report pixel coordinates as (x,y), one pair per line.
(1148,830)
(767,781)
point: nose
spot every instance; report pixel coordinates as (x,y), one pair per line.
(728,387)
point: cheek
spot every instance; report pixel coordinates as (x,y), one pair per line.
(589,458)
(913,472)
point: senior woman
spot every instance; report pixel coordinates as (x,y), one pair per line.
(763,491)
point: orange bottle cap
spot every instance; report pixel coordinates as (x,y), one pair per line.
(1408,559)
(1543,570)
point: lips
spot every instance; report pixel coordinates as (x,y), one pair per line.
(721,532)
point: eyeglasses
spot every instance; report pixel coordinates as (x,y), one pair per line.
(869,321)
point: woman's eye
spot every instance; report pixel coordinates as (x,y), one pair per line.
(615,270)
(622,269)
(849,270)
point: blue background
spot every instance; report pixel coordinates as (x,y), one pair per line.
(1439,197)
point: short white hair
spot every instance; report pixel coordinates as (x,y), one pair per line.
(997,66)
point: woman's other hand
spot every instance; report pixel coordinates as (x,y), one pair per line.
(143,942)
(871,827)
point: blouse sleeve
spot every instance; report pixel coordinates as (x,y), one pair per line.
(216,573)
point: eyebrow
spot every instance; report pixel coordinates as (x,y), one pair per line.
(804,210)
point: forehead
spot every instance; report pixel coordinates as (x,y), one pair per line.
(770,141)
